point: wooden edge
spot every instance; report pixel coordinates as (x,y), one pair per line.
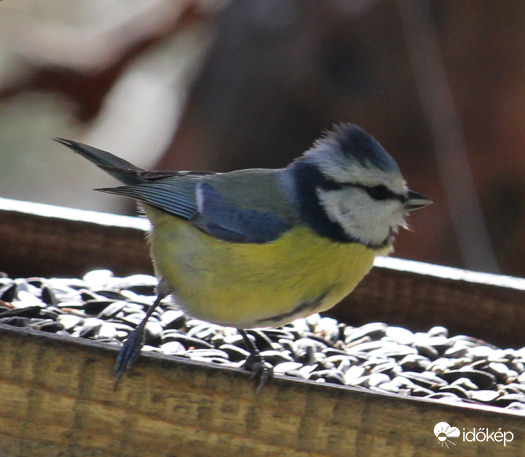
(73,214)
(57,399)
(458,275)
(46,240)
(419,296)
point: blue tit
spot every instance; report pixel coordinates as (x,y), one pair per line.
(262,247)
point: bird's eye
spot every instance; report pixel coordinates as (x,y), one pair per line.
(379,192)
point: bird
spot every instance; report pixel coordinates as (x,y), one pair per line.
(261,247)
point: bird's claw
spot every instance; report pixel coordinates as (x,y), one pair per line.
(259,369)
(128,353)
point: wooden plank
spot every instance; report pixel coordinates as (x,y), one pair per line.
(56,399)
(419,296)
(47,240)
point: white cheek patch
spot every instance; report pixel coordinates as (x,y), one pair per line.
(370,221)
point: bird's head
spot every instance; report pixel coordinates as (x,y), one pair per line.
(350,189)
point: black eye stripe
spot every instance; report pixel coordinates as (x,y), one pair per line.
(379,192)
(332,185)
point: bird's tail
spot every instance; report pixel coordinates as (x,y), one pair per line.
(120,169)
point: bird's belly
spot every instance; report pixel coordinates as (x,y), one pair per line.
(254,285)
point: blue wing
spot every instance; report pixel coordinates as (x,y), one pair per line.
(241,219)
(203,205)
(241,225)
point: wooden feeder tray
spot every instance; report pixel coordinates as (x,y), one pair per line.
(56,392)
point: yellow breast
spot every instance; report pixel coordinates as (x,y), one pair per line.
(254,285)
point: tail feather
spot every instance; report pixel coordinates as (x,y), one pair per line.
(115,166)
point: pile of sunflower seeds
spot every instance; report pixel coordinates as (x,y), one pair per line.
(375,356)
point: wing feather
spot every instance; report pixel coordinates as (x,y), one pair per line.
(201,204)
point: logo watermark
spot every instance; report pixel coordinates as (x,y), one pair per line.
(446,434)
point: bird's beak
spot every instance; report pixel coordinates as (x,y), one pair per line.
(416,201)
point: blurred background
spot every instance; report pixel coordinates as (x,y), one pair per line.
(220,85)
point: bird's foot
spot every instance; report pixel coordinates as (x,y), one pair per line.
(131,349)
(128,353)
(259,369)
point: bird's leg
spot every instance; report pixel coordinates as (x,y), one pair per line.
(131,348)
(255,362)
